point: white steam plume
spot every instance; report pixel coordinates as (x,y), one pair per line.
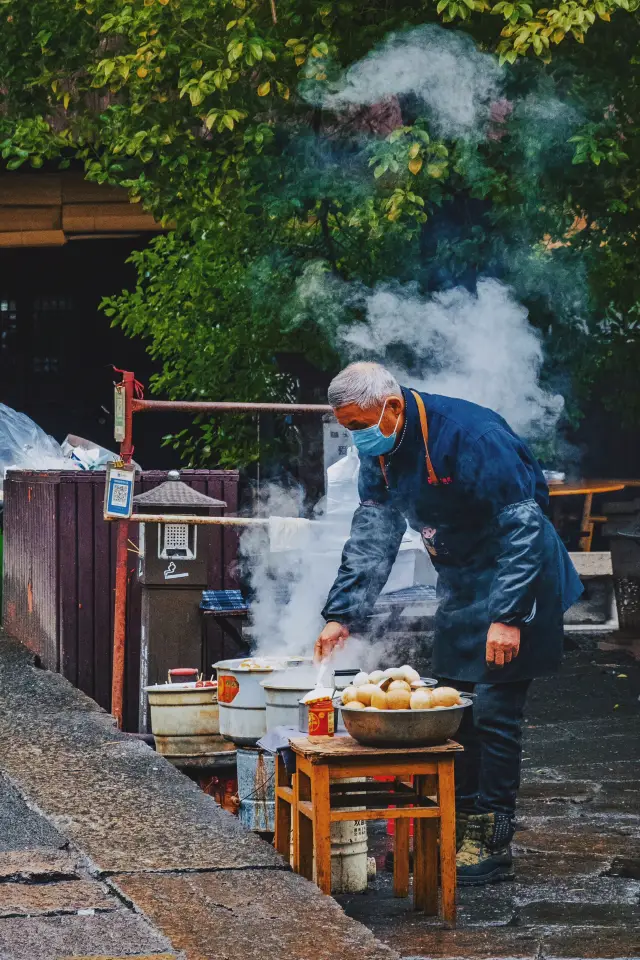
(475,346)
(454,80)
(289,590)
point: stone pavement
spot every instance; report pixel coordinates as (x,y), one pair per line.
(577,890)
(108,852)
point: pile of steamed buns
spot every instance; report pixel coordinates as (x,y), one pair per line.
(398,688)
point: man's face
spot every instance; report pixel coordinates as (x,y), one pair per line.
(354,417)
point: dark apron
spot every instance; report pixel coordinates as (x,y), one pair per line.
(465,561)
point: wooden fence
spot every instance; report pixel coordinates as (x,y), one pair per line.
(59,570)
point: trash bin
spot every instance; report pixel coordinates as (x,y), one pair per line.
(623,531)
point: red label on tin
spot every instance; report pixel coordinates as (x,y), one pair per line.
(227,689)
(321,719)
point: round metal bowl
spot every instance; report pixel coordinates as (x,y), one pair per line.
(403,728)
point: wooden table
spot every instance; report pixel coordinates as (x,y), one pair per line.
(328,787)
(587,489)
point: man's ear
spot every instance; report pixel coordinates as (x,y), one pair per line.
(395,404)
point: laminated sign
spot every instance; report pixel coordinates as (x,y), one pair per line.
(118,494)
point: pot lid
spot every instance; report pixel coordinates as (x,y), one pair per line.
(174,493)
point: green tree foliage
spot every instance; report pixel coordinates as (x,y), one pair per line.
(194,106)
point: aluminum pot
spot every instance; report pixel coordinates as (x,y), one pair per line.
(403,728)
(283,694)
(184,720)
(241,697)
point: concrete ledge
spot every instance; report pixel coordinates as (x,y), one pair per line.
(179,858)
(595,564)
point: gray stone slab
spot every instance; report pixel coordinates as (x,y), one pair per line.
(591,943)
(418,940)
(111,795)
(534,771)
(38,866)
(69,896)
(121,934)
(20,827)
(600,837)
(248,914)
(132,810)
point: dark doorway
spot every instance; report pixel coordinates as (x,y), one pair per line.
(57,349)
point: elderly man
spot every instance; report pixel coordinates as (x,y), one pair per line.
(458,473)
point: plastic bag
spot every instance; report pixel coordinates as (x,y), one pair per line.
(342,484)
(413,564)
(25,446)
(88,455)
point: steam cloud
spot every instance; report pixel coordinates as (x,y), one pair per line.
(475,346)
(290,590)
(453,79)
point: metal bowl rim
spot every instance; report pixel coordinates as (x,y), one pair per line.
(458,706)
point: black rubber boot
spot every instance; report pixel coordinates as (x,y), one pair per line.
(485,854)
(462,819)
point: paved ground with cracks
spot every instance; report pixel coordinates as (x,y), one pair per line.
(107,852)
(577,891)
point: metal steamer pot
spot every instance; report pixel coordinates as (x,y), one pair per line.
(283,694)
(241,696)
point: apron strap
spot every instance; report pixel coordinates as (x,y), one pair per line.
(433,479)
(422,413)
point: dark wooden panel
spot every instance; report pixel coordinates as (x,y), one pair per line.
(68,579)
(86,582)
(102,600)
(30,550)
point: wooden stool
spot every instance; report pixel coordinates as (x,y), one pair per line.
(320,794)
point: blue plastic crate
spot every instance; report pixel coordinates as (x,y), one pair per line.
(223,601)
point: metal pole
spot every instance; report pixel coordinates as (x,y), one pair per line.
(120,602)
(215,406)
(198,520)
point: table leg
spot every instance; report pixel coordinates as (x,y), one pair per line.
(446,802)
(401,858)
(282,839)
(303,829)
(586,526)
(321,825)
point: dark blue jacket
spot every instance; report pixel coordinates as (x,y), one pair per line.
(497,556)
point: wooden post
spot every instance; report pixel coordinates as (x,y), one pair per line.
(120,601)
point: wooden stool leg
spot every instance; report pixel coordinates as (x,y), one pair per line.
(431,868)
(282,839)
(419,865)
(401,858)
(446,802)
(425,857)
(303,831)
(321,825)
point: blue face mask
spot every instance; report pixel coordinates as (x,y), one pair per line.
(371,441)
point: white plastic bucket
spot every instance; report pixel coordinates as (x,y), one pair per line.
(349,856)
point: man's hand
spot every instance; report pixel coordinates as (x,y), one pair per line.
(332,638)
(503,644)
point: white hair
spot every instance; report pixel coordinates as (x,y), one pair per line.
(365,384)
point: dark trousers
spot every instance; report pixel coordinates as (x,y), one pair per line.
(488,772)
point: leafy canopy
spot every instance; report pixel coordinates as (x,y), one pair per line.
(194,106)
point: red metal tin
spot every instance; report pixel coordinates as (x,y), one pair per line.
(321,718)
